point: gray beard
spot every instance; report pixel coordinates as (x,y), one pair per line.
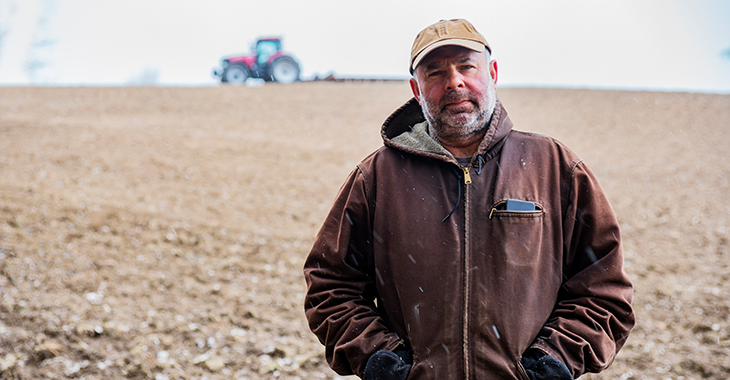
(448,125)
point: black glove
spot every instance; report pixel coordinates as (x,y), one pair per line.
(389,365)
(541,366)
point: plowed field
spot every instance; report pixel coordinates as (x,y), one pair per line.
(160,232)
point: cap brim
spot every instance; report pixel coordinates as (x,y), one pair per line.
(469,44)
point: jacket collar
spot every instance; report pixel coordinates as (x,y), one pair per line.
(406,129)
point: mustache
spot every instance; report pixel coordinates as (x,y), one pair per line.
(455,97)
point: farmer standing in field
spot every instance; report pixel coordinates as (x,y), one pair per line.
(464,249)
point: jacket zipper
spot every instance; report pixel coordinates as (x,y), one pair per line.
(521,371)
(465,332)
(467,177)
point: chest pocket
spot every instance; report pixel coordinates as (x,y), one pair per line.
(517,234)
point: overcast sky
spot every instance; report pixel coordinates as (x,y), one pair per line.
(632,44)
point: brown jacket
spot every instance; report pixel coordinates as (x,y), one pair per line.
(469,293)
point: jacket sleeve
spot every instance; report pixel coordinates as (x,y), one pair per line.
(339,271)
(593,315)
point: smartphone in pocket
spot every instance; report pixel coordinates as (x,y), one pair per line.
(516,205)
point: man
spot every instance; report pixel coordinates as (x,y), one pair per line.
(463,249)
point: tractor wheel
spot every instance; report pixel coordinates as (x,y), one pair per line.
(235,75)
(284,70)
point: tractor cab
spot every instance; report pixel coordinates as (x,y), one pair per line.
(265,50)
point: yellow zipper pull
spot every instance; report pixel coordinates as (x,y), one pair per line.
(467,177)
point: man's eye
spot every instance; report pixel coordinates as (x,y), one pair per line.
(434,73)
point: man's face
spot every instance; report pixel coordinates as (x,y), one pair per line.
(455,87)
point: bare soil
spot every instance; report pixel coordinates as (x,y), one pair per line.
(160,232)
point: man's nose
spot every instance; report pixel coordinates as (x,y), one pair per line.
(454,81)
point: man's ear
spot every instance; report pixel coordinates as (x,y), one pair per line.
(414,89)
(493,71)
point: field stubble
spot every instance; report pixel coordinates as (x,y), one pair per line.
(160,232)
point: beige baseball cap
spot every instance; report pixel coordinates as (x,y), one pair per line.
(446,32)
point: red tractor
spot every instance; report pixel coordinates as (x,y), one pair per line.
(267,62)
